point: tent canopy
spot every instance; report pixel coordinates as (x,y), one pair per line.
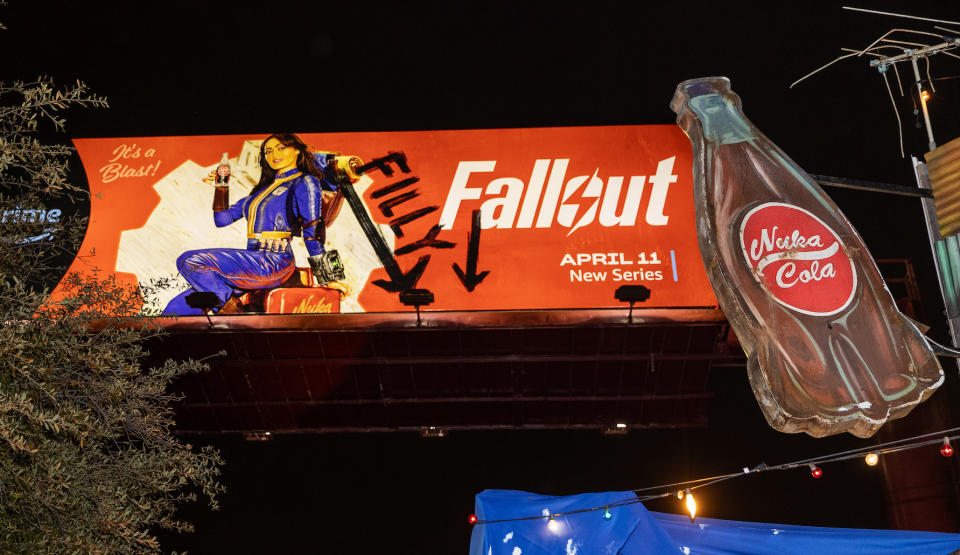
(633,529)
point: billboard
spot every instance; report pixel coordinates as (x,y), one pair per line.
(501,219)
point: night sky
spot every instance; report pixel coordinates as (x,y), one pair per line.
(196,68)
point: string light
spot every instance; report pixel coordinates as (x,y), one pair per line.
(606,514)
(554,525)
(925,96)
(691,504)
(815,471)
(871,458)
(472,519)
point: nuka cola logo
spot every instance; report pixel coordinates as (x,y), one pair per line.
(798,259)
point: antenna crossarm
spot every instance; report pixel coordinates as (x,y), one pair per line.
(911,53)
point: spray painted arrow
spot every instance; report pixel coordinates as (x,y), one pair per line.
(471,278)
(399,281)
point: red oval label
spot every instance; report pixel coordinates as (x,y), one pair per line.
(797,259)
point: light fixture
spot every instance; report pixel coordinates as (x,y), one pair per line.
(257,436)
(618,429)
(946,449)
(691,504)
(432,431)
(606,514)
(871,459)
(815,471)
(554,525)
(416,298)
(204,301)
(631,294)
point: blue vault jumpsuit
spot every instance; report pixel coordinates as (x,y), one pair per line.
(291,203)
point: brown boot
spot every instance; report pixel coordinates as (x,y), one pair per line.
(232,306)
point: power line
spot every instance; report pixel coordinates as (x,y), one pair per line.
(900,15)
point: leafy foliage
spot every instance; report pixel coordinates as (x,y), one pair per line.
(88,461)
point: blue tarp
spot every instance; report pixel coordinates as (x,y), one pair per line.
(580,534)
(633,529)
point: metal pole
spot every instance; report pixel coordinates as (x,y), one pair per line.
(923,103)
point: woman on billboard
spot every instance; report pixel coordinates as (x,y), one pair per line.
(287,201)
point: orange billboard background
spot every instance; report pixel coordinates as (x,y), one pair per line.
(567,214)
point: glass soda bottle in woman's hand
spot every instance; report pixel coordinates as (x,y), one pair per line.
(221,176)
(223,171)
(828,350)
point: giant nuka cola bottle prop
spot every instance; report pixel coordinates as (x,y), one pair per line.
(828,350)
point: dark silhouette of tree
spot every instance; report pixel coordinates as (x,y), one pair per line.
(88,461)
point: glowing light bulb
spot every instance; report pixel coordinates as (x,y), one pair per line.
(871,459)
(815,471)
(554,525)
(924,96)
(679,494)
(472,519)
(691,505)
(946,449)
(606,514)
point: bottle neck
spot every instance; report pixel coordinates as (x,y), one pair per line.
(722,121)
